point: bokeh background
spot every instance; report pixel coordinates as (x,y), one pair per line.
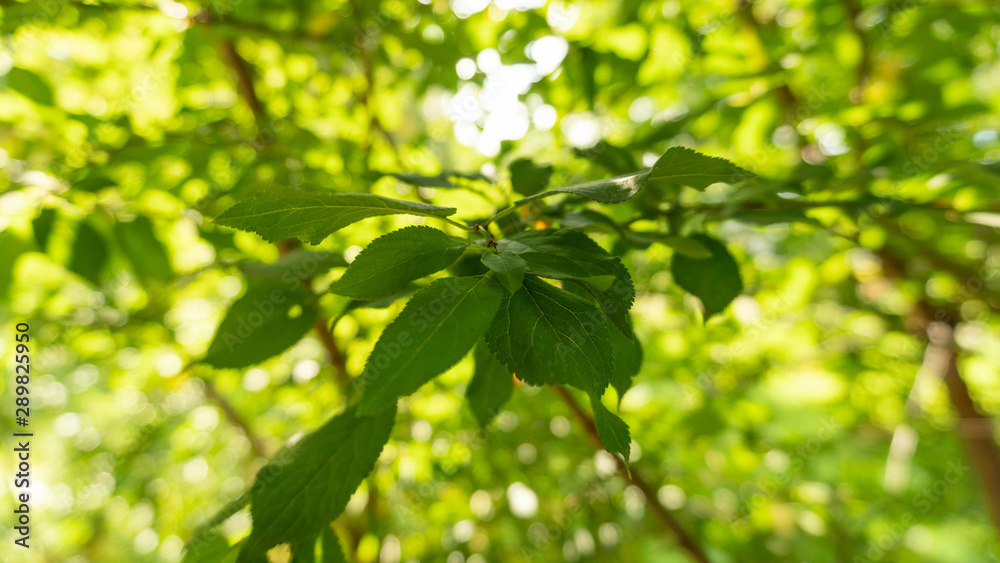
(813,421)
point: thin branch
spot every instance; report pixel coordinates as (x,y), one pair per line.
(685,540)
(244,78)
(256,443)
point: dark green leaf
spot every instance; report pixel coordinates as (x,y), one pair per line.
(42,227)
(394,260)
(508,266)
(141,246)
(332,550)
(269,318)
(628,361)
(545,335)
(308,485)
(281,213)
(31,86)
(716,280)
(611,429)
(304,551)
(90,253)
(528,178)
(681,166)
(438,326)
(574,255)
(491,385)
(298,264)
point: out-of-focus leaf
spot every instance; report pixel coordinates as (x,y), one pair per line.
(11,247)
(528,178)
(716,280)
(31,86)
(141,246)
(308,485)
(684,245)
(298,264)
(394,260)
(41,226)
(90,253)
(269,318)
(491,385)
(281,213)
(438,326)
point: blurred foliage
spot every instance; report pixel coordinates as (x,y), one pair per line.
(805,422)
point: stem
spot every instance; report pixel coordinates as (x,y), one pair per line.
(690,546)
(256,443)
(501,213)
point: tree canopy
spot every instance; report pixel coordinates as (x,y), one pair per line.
(509,280)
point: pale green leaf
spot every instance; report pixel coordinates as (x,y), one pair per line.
(682,166)
(298,264)
(508,266)
(438,326)
(394,260)
(281,213)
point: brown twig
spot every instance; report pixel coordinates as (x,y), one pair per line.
(244,78)
(256,443)
(685,540)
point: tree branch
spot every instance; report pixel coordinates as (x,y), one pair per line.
(256,443)
(689,545)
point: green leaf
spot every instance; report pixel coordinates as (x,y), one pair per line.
(308,485)
(280,213)
(394,260)
(608,190)
(438,326)
(305,551)
(141,246)
(628,361)
(681,166)
(31,86)
(269,318)
(298,264)
(684,245)
(90,253)
(546,335)
(333,552)
(11,248)
(528,178)
(716,280)
(491,385)
(574,255)
(611,429)
(41,226)
(508,266)
(213,548)
(442,180)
